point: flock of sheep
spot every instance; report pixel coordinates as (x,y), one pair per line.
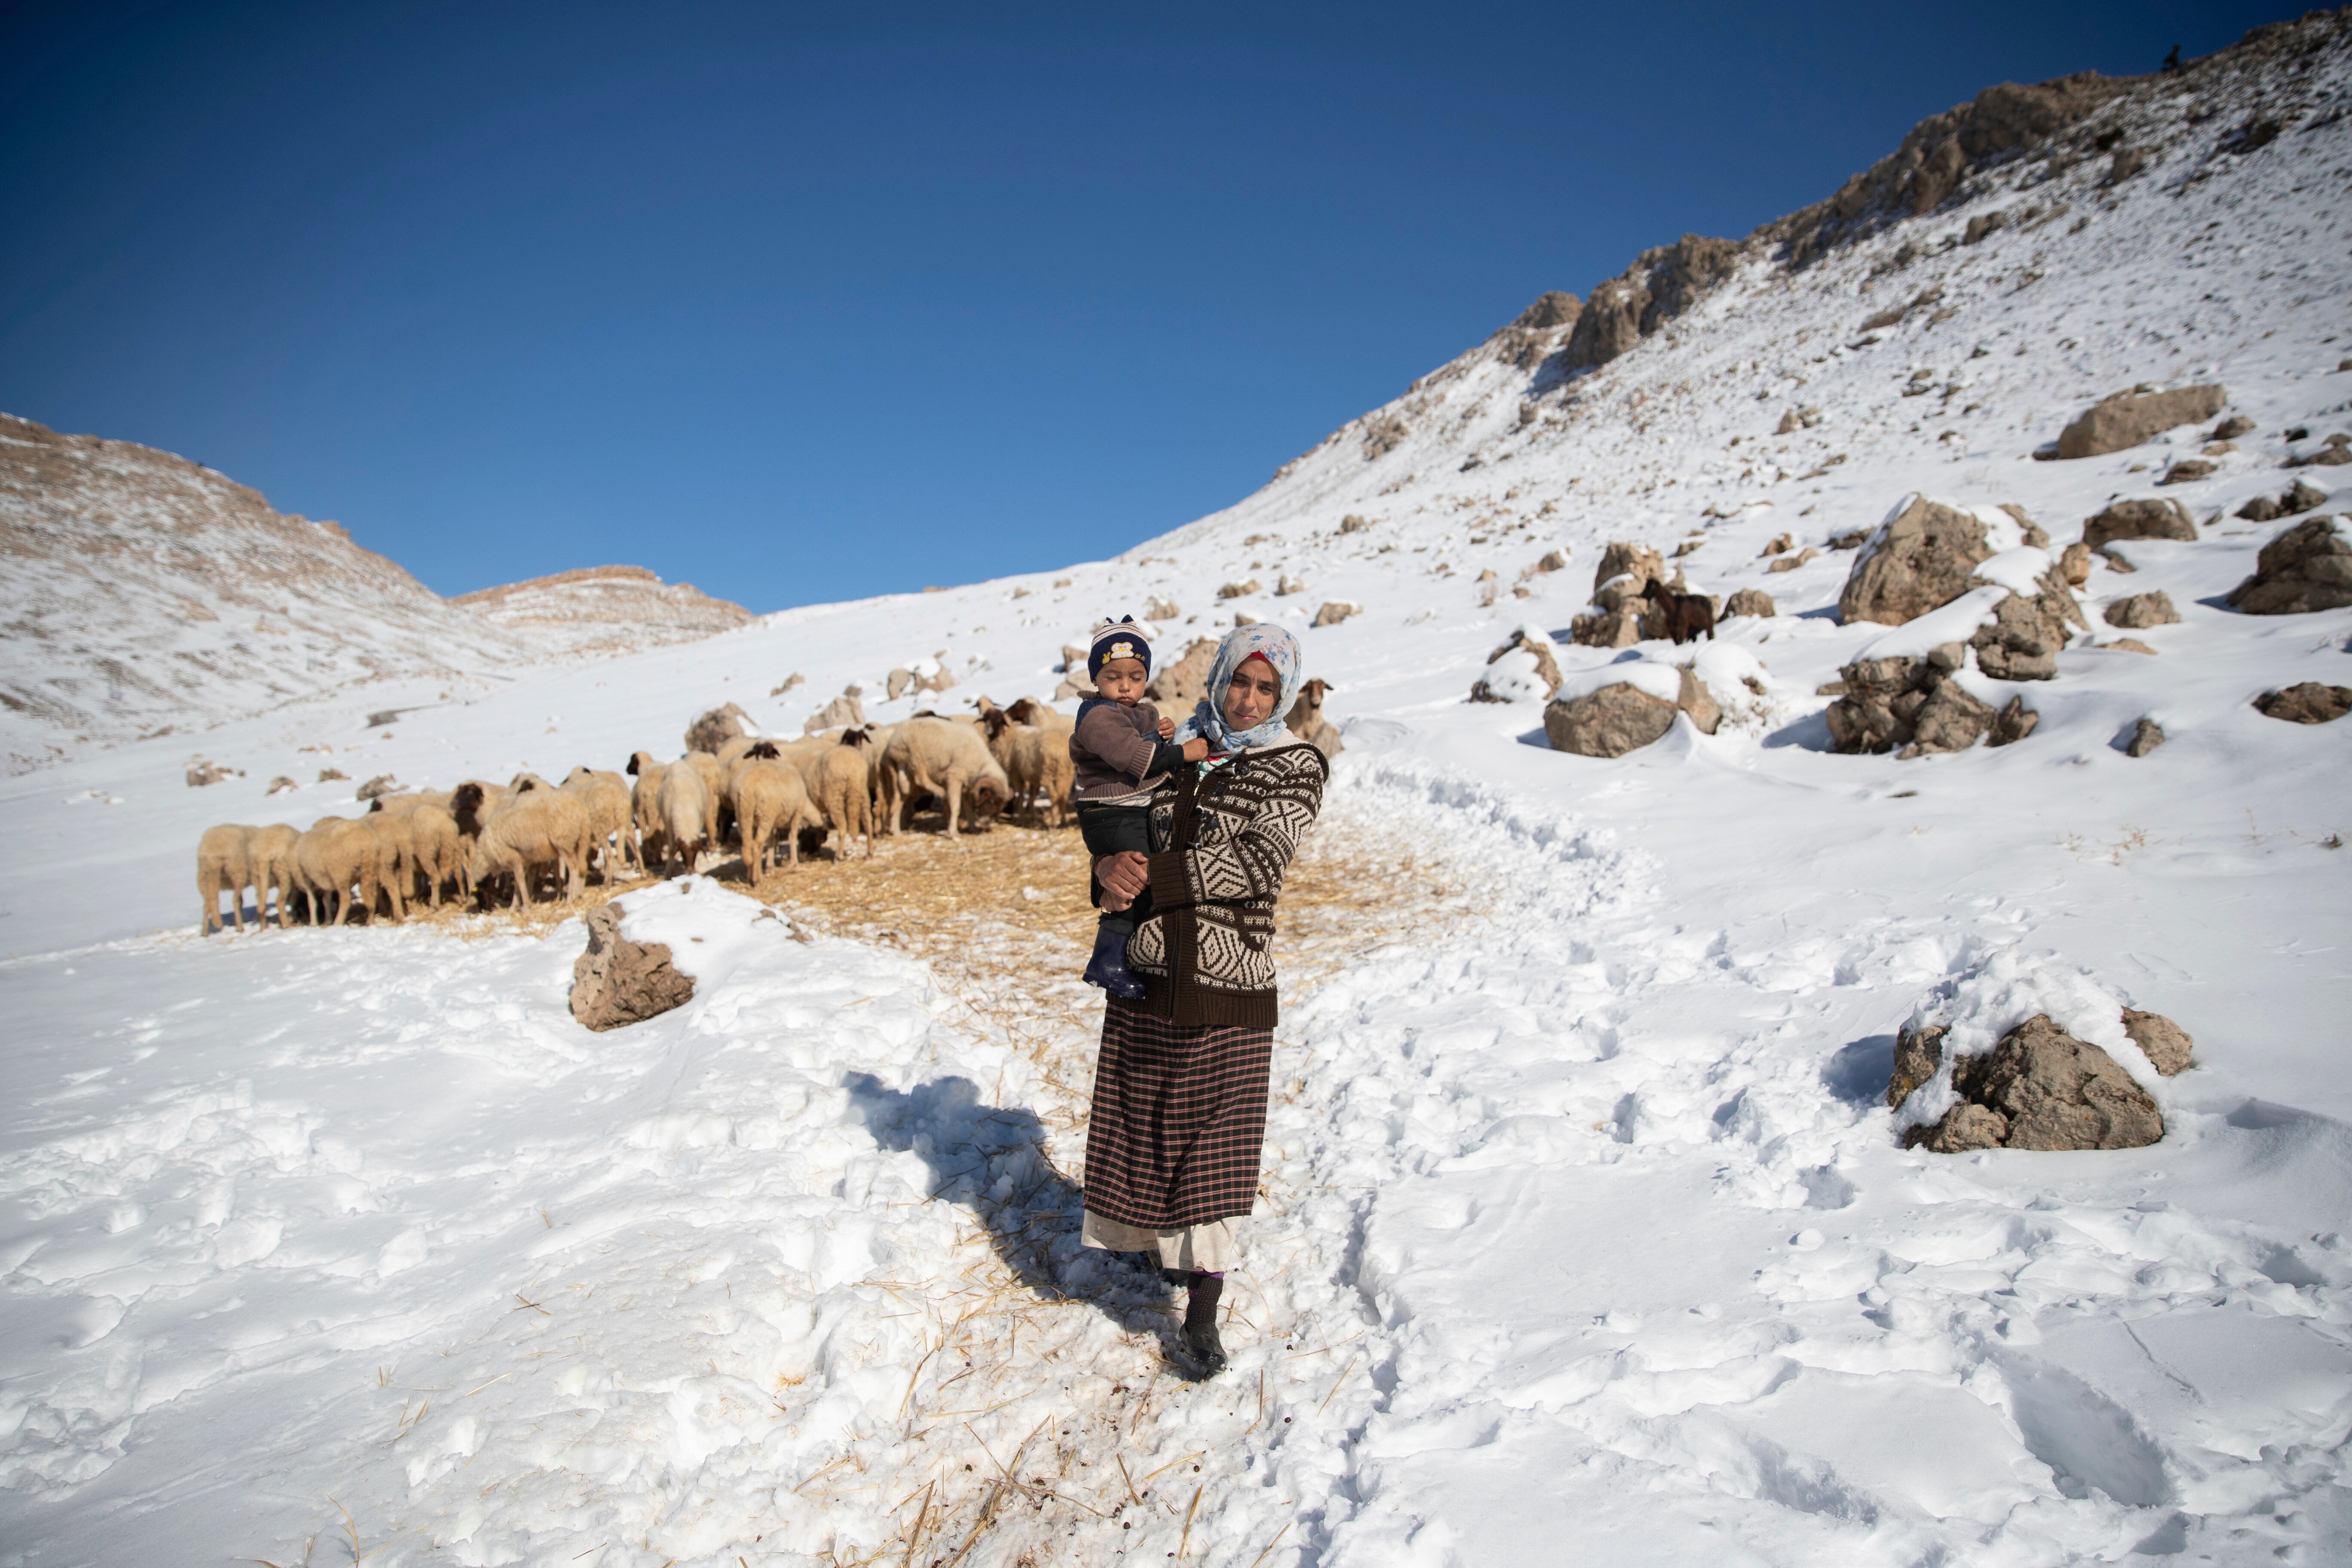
(768,799)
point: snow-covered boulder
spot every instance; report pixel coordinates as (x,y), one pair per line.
(2127,418)
(2307,568)
(2040,1089)
(1921,558)
(1523,670)
(619,982)
(2143,518)
(2142,610)
(1621,707)
(2312,702)
(1753,602)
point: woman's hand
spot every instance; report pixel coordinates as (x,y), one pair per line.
(1195,749)
(1123,876)
(1168,729)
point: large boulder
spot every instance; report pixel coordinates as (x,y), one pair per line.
(2166,1044)
(1622,559)
(1522,667)
(2312,702)
(1621,596)
(1622,717)
(2143,610)
(2022,640)
(2146,518)
(2040,1089)
(2307,568)
(1919,560)
(1753,602)
(2127,418)
(716,728)
(1179,684)
(619,982)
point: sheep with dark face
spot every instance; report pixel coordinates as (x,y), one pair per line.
(840,786)
(770,798)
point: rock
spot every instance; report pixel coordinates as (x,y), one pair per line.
(1919,561)
(2074,563)
(896,684)
(1335,611)
(381,784)
(1552,561)
(2128,644)
(2261,508)
(1076,685)
(2230,429)
(1285,586)
(2301,498)
(1620,628)
(2147,736)
(1696,700)
(2012,723)
(1073,658)
(795,679)
(2143,610)
(1243,618)
(204,773)
(619,982)
(2035,534)
(2330,457)
(2187,471)
(2024,636)
(1790,563)
(281,784)
(1950,719)
(1753,602)
(2047,1090)
(2144,519)
(1778,544)
(1351,523)
(2127,418)
(1620,559)
(718,727)
(329,776)
(1545,668)
(1797,419)
(2165,1043)
(1159,610)
(844,712)
(1609,723)
(1177,687)
(2308,703)
(1238,590)
(1917,1057)
(2307,568)
(2125,163)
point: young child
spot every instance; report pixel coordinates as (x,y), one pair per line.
(1121,745)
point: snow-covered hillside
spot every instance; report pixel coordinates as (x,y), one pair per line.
(147,594)
(1587,1233)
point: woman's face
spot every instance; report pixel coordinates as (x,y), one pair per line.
(1249,701)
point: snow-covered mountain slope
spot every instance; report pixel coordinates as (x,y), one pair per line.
(1586,1235)
(147,593)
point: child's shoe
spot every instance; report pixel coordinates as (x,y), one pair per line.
(1109,968)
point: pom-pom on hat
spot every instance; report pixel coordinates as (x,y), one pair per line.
(1121,638)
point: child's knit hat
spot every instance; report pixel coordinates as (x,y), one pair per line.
(1121,638)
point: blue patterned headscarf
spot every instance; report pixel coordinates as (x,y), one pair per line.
(1279,650)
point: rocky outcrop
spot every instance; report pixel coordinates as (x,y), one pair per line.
(1921,560)
(1177,686)
(2040,1089)
(2166,1044)
(605,609)
(2142,518)
(1753,602)
(2022,640)
(844,712)
(1622,588)
(2147,736)
(1662,284)
(2143,610)
(2127,418)
(1914,704)
(2309,703)
(1535,335)
(619,982)
(716,728)
(2292,501)
(1534,672)
(1622,717)
(2307,568)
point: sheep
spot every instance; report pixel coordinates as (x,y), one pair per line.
(720,809)
(610,813)
(843,792)
(399,874)
(271,853)
(223,864)
(770,798)
(683,812)
(1035,761)
(643,810)
(947,759)
(1306,720)
(539,827)
(336,854)
(439,850)
(1029,710)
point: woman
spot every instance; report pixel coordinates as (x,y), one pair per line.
(1179,1114)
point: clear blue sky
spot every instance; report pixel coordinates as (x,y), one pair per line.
(798,305)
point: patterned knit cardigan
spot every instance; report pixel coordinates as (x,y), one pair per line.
(1203,954)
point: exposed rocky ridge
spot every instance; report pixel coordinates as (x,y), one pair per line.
(147,593)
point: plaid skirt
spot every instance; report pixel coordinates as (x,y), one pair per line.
(1178,1123)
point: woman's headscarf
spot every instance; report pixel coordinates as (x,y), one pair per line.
(1280,651)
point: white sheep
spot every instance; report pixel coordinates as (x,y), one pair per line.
(270,862)
(841,786)
(539,827)
(611,816)
(684,813)
(1036,762)
(770,798)
(948,760)
(223,864)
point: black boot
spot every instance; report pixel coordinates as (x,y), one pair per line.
(1202,1344)
(1109,968)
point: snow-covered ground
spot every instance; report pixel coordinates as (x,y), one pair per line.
(1586,1235)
